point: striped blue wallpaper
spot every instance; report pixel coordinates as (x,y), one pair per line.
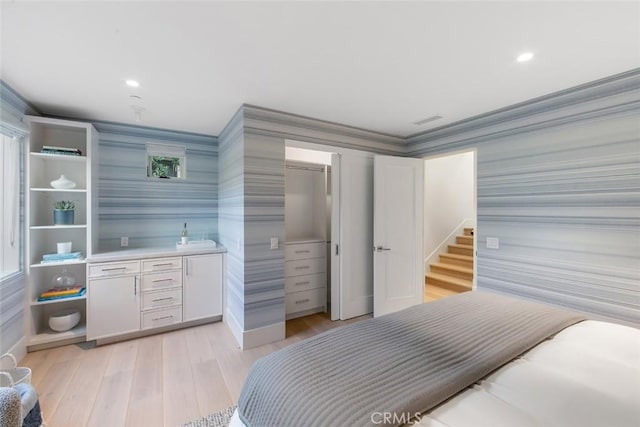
(151,212)
(231,213)
(559,185)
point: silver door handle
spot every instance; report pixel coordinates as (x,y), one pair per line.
(380,249)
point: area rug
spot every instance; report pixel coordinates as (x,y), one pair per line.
(215,419)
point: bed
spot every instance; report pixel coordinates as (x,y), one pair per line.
(527,365)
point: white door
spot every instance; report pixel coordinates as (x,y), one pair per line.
(113,306)
(397,234)
(352,222)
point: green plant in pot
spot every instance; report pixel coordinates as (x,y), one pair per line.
(63,212)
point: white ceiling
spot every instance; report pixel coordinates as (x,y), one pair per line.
(379,66)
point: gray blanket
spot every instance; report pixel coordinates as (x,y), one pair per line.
(386,370)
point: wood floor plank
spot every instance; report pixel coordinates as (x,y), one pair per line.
(112,400)
(178,383)
(211,391)
(146,398)
(75,407)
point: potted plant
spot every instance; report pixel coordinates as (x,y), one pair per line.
(63,212)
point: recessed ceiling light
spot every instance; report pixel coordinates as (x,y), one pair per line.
(524,57)
(132,83)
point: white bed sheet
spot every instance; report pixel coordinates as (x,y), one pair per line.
(587,375)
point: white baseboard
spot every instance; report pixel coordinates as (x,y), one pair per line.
(254,337)
(19,351)
(234,325)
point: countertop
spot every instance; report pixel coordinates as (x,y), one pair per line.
(158,252)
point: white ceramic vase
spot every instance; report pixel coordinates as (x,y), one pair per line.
(63,183)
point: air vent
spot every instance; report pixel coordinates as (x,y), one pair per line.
(428,120)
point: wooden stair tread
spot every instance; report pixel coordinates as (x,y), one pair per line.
(453,267)
(468,231)
(453,282)
(458,256)
(464,240)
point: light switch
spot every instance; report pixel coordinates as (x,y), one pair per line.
(493,243)
(124,241)
(274,243)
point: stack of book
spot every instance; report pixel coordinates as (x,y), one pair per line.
(62,292)
(50,149)
(70,257)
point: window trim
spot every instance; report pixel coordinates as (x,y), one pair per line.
(166,150)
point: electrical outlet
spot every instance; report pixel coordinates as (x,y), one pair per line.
(493,243)
(124,241)
(274,243)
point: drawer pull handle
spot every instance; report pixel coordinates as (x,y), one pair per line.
(306,251)
(161,299)
(302,301)
(302,283)
(161,280)
(114,269)
(162,265)
(162,317)
(303,267)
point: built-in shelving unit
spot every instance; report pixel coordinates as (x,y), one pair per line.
(43,235)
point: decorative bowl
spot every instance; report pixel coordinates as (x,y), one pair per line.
(64,320)
(63,183)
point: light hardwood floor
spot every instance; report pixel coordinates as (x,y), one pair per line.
(161,380)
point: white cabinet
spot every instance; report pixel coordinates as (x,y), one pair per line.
(114,306)
(145,294)
(305,278)
(202,290)
(44,164)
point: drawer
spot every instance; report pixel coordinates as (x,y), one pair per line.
(294,251)
(166,279)
(304,267)
(161,264)
(159,299)
(305,300)
(114,268)
(304,283)
(164,317)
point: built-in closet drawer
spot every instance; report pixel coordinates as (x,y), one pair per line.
(295,251)
(305,300)
(159,299)
(163,317)
(305,266)
(161,264)
(105,269)
(304,283)
(166,279)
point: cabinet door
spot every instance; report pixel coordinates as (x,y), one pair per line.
(114,306)
(202,287)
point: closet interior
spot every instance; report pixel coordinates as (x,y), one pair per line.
(308,237)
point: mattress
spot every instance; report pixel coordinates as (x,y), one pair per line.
(587,375)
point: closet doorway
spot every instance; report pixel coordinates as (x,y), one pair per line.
(328,227)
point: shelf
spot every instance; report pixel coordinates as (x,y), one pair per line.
(60,157)
(49,336)
(57,227)
(60,190)
(58,264)
(60,300)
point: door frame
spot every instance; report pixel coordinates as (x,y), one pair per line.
(335,285)
(473,150)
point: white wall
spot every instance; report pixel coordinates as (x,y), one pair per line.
(449,196)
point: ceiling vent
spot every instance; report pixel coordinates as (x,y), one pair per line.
(428,120)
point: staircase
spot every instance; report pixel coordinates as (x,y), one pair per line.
(455,269)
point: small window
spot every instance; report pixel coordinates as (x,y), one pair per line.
(166,161)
